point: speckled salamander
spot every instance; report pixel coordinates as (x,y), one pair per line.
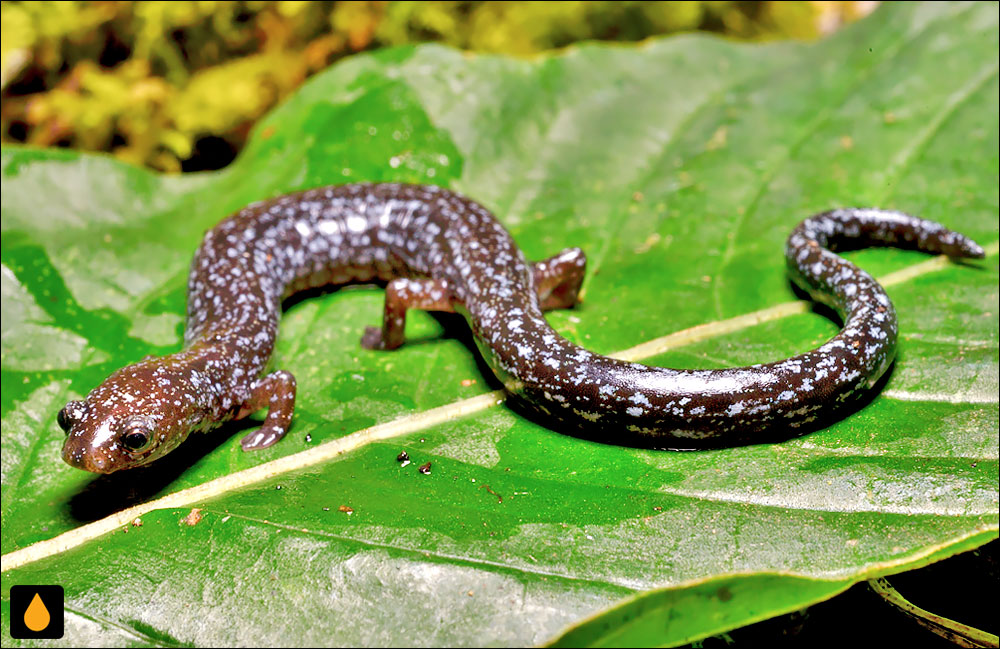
(440,251)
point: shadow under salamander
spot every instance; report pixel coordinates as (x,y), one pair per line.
(455,327)
(107,494)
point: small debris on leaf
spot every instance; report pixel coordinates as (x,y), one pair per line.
(487,488)
(192,519)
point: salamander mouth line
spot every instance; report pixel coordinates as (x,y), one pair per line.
(416,422)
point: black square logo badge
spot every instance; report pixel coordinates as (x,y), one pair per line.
(36,612)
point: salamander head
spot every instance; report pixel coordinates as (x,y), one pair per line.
(139,413)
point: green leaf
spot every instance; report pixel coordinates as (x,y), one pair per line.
(679,166)
(690,611)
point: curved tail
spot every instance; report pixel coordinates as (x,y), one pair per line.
(621,402)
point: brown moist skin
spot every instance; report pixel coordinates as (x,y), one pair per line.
(441,251)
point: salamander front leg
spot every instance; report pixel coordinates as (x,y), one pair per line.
(558,279)
(276,392)
(400,295)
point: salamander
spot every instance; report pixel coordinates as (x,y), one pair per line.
(437,250)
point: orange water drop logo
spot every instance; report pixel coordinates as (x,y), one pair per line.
(36,616)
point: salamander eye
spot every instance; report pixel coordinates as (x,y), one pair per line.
(137,438)
(73,412)
(64,421)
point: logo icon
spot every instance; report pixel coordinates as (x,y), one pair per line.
(36,612)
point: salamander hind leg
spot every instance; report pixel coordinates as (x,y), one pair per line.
(400,295)
(558,279)
(276,392)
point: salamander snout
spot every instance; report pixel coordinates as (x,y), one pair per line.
(121,424)
(103,445)
(106,444)
(77,456)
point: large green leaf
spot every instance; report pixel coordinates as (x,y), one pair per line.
(679,166)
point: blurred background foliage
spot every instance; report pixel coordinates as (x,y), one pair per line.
(177,86)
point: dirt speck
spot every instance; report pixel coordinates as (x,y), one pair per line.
(192,519)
